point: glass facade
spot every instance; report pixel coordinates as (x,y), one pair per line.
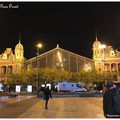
(60,59)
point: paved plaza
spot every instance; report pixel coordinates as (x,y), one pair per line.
(33,107)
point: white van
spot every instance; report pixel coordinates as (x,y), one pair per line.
(1,87)
(71,87)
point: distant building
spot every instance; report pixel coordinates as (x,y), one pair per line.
(60,59)
(11,62)
(106,59)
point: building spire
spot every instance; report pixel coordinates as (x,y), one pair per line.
(20,37)
(96,35)
(57,45)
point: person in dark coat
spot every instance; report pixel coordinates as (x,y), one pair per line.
(105,88)
(47,95)
(108,100)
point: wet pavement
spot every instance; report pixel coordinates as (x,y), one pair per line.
(74,107)
(5,100)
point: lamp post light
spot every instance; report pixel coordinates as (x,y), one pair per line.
(39,46)
(103,46)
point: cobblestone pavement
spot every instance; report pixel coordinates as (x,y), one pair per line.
(58,108)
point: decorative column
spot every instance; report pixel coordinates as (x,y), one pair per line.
(77,63)
(69,62)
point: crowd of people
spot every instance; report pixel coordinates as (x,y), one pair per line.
(111,100)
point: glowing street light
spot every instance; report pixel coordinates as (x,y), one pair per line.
(102,46)
(39,46)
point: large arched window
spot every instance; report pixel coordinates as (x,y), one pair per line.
(119,67)
(9,70)
(3,71)
(113,67)
(107,67)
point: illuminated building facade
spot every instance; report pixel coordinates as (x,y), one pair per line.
(106,59)
(60,59)
(11,63)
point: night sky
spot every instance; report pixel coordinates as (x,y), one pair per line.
(71,25)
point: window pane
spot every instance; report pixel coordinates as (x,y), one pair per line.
(3,69)
(9,70)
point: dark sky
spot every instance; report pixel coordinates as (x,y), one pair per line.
(71,25)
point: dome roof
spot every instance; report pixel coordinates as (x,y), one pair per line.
(96,43)
(19,46)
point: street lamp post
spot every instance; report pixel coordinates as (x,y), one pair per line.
(39,46)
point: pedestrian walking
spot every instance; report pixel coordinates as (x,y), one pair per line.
(109,101)
(46,96)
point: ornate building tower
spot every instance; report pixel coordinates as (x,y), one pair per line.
(19,51)
(98,55)
(19,57)
(11,63)
(106,59)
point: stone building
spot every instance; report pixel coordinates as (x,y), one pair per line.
(61,59)
(11,62)
(106,59)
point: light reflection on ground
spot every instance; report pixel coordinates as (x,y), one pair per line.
(4,100)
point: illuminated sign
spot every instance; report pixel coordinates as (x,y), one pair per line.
(29,88)
(49,86)
(17,88)
(43,85)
